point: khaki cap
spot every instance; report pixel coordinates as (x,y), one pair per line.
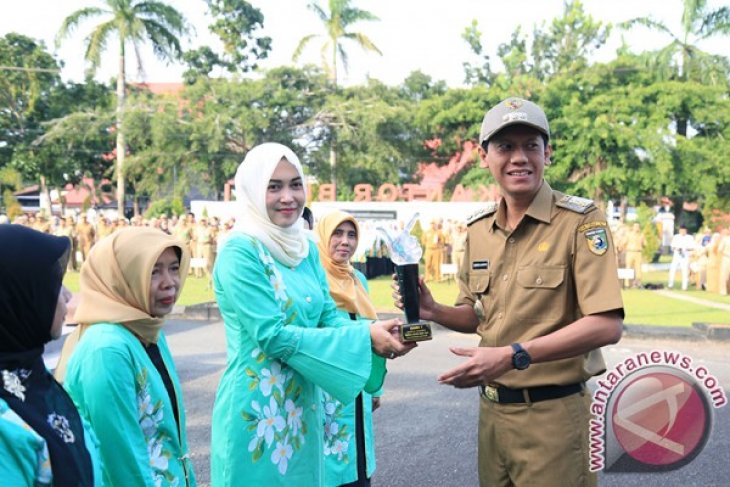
(513,111)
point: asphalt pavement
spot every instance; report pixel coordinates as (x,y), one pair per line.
(426,433)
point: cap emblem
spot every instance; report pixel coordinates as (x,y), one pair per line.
(514,117)
(513,103)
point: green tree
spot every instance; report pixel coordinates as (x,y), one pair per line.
(227,118)
(337,21)
(341,16)
(682,59)
(419,86)
(133,22)
(236,25)
(10,181)
(377,138)
(27,78)
(474,74)
(567,42)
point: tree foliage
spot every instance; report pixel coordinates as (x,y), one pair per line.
(337,22)
(618,129)
(236,24)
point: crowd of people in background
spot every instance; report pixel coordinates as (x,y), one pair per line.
(201,235)
(700,260)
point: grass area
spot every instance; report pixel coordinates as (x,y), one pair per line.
(643,307)
(193,292)
(381,293)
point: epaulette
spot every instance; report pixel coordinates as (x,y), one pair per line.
(575,203)
(486,211)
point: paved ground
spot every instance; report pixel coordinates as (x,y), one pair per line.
(426,433)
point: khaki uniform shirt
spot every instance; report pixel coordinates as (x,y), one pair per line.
(85,232)
(554,268)
(433,239)
(634,241)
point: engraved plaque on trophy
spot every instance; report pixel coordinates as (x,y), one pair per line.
(405,252)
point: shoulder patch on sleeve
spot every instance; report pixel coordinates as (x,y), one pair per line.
(486,211)
(575,203)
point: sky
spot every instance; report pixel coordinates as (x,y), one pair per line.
(412,34)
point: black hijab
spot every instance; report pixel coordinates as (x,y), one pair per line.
(32,265)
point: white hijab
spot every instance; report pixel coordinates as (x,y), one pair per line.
(288,245)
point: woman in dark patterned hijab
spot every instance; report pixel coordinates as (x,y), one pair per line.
(44,437)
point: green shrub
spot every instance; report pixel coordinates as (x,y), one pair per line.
(165,206)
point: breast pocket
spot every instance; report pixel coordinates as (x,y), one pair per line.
(478,282)
(540,292)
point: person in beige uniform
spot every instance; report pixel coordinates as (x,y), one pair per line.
(433,241)
(724,252)
(86,236)
(539,285)
(634,248)
(459,245)
(205,240)
(714,260)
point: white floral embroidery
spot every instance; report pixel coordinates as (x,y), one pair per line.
(282,454)
(158,460)
(293,416)
(278,283)
(339,448)
(276,417)
(60,425)
(336,438)
(13,382)
(151,415)
(272,421)
(272,377)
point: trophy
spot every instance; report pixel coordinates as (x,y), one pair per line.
(405,252)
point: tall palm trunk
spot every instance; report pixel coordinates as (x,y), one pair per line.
(333,142)
(121,149)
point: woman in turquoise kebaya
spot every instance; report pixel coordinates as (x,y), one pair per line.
(348,432)
(121,374)
(286,340)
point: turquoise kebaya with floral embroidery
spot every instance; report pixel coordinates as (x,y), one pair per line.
(117,388)
(287,343)
(340,426)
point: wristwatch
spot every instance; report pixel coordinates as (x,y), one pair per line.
(520,358)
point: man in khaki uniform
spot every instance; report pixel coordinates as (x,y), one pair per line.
(86,236)
(433,241)
(205,240)
(458,240)
(104,227)
(539,285)
(634,248)
(724,252)
(66,229)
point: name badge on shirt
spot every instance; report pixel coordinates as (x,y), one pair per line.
(480,264)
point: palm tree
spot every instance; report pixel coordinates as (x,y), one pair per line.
(681,59)
(336,22)
(340,17)
(132,22)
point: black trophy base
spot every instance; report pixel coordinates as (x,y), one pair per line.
(416,332)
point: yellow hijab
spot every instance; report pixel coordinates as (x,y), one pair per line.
(346,289)
(115,285)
